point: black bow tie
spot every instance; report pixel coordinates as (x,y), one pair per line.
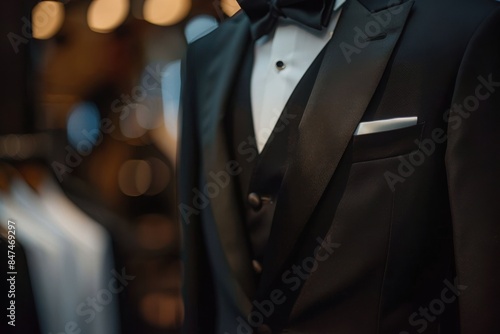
(264,14)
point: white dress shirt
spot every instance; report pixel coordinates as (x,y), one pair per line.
(68,254)
(94,255)
(293,46)
(48,257)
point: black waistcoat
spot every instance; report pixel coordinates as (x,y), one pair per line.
(262,174)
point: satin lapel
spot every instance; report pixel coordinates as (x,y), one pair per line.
(342,92)
(216,77)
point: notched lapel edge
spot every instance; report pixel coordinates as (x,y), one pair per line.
(342,92)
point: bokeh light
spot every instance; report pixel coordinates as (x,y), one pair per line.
(135,177)
(83,125)
(47,19)
(230,7)
(166,12)
(106,15)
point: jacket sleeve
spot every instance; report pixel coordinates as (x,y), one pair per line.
(198,293)
(473,171)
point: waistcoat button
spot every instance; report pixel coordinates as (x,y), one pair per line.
(255,201)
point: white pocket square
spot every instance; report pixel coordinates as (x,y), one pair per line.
(385,125)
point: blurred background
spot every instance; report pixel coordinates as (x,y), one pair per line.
(88,131)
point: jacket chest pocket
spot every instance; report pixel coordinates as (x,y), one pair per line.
(386,144)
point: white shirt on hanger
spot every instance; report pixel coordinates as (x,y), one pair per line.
(46,259)
(95,255)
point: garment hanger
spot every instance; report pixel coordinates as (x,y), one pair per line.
(24,156)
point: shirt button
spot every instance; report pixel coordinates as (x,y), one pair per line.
(257,266)
(280,65)
(254,201)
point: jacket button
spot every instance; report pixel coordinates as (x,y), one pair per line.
(255,201)
(264,329)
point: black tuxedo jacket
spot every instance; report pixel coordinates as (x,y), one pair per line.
(390,232)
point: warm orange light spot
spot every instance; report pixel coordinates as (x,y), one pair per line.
(166,12)
(230,7)
(106,15)
(47,17)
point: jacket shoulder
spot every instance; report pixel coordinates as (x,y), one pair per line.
(215,40)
